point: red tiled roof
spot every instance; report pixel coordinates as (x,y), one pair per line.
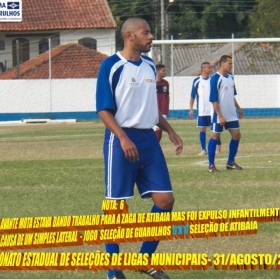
(68,61)
(62,14)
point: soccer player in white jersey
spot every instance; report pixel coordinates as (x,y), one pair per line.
(201,92)
(126,101)
(222,95)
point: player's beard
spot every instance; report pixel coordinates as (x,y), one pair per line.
(140,47)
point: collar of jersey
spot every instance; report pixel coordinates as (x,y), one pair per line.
(136,63)
(205,78)
(226,76)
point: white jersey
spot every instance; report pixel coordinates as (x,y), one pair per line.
(128,89)
(201,90)
(223,91)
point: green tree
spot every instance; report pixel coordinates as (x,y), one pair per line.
(209,18)
(264,19)
(183,21)
(221,18)
(188,19)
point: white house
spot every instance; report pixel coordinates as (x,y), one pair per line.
(87,22)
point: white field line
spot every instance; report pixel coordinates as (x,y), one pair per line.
(205,162)
(51,136)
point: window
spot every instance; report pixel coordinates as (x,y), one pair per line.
(43,46)
(22,52)
(2,45)
(88,42)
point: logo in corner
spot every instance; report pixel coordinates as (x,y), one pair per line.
(13,5)
(11,11)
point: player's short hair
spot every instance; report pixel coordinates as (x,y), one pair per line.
(204,63)
(131,25)
(160,66)
(224,58)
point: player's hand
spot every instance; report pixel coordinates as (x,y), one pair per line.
(191,113)
(177,142)
(222,120)
(129,149)
(240,114)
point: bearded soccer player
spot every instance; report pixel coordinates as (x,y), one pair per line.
(126,102)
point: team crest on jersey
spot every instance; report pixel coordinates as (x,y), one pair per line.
(164,88)
(133,82)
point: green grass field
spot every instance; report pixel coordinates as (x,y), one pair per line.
(57,169)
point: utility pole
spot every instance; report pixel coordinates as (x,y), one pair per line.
(165,49)
(18,59)
(162,30)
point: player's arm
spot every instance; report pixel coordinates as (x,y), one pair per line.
(168,98)
(165,126)
(105,106)
(191,107)
(129,149)
(218,112)
(214,98)
(193,95)
(240,112)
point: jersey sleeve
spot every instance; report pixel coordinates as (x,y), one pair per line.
(104,93)
(234,88)
(235,92)
(168,88)
(194,88)
(214,96)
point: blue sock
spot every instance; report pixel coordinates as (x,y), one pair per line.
(112,248)
(219,142)
(151,246)
(233,147)
(202,139)
(212,150)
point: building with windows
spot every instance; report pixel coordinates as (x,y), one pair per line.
(48,24)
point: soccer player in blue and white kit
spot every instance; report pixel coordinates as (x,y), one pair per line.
(222,95)
(126,101)
(201,91)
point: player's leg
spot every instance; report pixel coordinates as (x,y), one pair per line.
(219,146)
(163,202)
(214,140)
(202,123)
(233,128)
(202,139)
(119,172)
(153,181)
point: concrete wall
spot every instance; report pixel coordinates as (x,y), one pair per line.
(75,98)
(253,91)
